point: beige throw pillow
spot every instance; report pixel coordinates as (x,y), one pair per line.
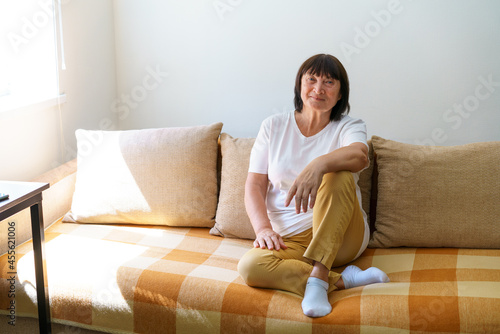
(437,196)
(231,219)
(162,176)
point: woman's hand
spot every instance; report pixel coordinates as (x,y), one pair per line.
(255,203)
(305,187)
(269,239)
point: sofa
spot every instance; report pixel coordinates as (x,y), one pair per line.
(145,229)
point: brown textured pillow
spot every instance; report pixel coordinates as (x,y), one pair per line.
(162,176)
(437,196)
(232,219)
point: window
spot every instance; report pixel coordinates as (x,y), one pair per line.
(28,53)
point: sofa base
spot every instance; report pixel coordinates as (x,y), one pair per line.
(151,279)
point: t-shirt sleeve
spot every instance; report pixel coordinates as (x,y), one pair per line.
(259,157)
(354,131)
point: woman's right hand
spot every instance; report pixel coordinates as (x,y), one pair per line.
(269,239)
(255,204)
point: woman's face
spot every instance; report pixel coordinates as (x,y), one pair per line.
(319,93)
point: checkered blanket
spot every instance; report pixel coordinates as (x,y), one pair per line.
(129,279)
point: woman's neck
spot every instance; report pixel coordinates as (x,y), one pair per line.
(310,122)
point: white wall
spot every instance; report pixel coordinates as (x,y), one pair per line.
(410,63)
(235,61)
(32,141)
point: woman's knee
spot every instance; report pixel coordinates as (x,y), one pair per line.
(250,265)
(338,181)
(338,178)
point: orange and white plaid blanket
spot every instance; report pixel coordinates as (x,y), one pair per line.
(128,279)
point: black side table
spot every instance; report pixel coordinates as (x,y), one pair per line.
(21,196)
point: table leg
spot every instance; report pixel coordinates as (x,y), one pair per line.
(42,292)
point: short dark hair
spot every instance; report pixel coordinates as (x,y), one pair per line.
(325,65)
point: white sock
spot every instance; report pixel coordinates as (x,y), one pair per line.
(353,276)
(315,303)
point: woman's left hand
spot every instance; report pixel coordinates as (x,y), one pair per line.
(305,187)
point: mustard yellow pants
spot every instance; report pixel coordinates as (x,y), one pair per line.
(334,240)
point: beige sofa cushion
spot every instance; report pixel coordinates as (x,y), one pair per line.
(437,196)
(162,176)
(231,219)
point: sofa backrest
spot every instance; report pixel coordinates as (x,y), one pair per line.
(58,198)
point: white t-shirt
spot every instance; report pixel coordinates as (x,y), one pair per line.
(281,151)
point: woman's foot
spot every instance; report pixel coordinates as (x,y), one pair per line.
(315,303)
(353,276)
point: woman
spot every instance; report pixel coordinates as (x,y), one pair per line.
(309,158)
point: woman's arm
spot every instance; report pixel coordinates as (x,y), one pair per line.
(255,204)
(352,158)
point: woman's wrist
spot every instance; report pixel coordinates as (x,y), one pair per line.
(320,164)
(263,227)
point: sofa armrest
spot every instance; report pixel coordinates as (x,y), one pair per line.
(56,202)
(57,199)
